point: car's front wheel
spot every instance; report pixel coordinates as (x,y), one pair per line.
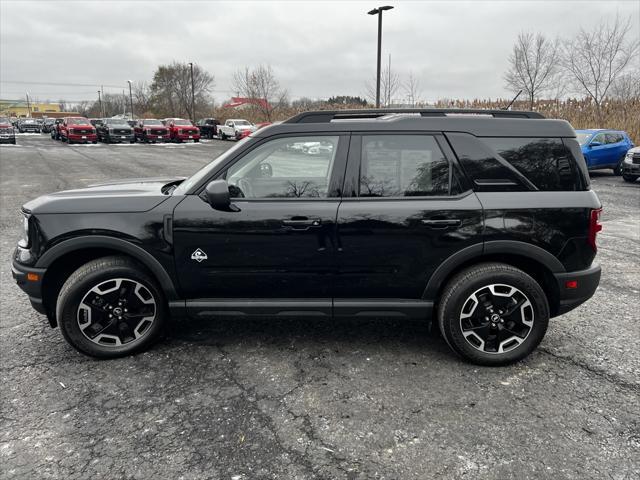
(629,178)
(110,307)
(493,314)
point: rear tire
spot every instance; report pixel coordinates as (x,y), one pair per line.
(493,314)
(91,296)
(618,168)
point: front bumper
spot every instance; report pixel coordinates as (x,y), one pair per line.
(586,283)
(186,136)
(155,138)
(29,279)
(77,137)
(7,138)
(630,168)
(119,138)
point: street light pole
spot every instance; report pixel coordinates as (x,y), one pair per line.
(130,99)
(100,103)
(193,97)
(378,11)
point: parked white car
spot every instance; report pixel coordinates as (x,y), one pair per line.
(235,128)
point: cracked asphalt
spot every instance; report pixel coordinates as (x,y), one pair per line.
(282,399)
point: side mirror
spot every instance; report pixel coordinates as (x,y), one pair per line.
(216,194)
(595,144)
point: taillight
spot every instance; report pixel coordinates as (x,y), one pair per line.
(594,227)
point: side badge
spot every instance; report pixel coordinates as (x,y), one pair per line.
(199,256)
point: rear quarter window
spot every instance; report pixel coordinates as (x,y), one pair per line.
(545,162)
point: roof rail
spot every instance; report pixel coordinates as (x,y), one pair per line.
(325,116)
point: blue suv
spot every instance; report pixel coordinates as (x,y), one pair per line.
(604,148)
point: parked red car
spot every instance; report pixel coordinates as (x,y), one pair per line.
(151,130)
(181,130)
(77,130)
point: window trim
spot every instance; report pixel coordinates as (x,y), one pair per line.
(335,181)
(354,166)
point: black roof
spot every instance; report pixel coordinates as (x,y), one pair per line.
(482,123)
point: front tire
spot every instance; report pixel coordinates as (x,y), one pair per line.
(111,307)
(493,314)
(629,178)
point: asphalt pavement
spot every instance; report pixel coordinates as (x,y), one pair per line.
(285,399)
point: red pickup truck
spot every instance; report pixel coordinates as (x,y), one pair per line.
(151,130)
(181,130)
(77,130)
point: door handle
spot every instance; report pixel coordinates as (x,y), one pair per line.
(442,222)
(302,223)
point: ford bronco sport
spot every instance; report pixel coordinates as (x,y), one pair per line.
(480,221)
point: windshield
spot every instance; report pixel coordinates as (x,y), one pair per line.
(151,122)
(77,121)
(182,122)
(583,138)
(204,172)
(4,120)
(117,121)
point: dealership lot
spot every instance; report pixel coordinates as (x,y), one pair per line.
(273,398)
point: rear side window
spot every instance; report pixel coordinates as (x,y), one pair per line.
(614,138)
(545,162)
(403,166)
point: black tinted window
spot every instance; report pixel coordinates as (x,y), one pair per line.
(403,166)
(546,162)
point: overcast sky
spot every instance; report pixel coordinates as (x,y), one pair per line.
(456,49)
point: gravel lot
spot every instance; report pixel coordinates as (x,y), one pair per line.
(237,399)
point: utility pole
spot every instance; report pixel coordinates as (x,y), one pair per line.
(131,100)
(100,103)
(193,97)
(378,11)
(389,82)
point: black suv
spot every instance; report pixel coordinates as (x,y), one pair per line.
(481,221)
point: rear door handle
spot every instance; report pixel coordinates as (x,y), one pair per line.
(442,223)
(302,223)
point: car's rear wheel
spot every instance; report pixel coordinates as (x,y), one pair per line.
(110,307)
(493,314)
(618,168)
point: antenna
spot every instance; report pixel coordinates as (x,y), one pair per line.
(514,99)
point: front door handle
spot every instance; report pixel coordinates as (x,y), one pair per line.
(442,222)
(302,223)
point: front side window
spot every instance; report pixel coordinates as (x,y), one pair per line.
(403,166)
(296,167)
(600,138)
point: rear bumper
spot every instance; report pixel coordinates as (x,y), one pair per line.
(587,282)
(31,285)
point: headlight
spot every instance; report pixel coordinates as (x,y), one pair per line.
(628,157)
(24,239)
(71,130)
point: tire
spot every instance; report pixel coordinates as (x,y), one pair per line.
(617,170)
(111,275)
(12,141)
(484,342)
(94,141)
(629,178)
(196,140)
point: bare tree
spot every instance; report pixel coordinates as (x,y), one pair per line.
(595,59)
(170,90)
(261,86)
(412,89)
(389,85)
(533,65)
(627,86)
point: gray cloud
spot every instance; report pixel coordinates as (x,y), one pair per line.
(456,49)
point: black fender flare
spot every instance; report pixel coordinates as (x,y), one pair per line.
(493,247)
(112,243)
